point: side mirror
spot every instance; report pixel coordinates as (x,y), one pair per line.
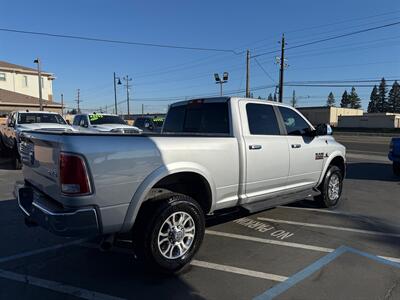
(323,129)
(10,123)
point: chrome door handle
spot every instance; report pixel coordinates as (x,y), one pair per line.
(296,146)
(255,147)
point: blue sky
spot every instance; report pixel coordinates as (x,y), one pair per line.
(161,75)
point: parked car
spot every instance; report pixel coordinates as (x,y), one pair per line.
(103,123)
(213,155)
(150,124)
(20,121)
(394,155)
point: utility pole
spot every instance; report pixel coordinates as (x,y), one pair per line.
(142,109)
(248,74)
(78,100)
(37,61)
(127,85)
(62,105)
(282,68)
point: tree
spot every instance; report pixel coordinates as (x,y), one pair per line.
(394,98)
(331,100)
(354,100)
(373,101)
(270,97)
(382,105)
(345,100)
(293,102)
(72,112)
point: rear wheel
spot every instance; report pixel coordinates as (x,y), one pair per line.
(169,232)
(396,168)
(331,188)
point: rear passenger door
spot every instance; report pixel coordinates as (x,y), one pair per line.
(266,151)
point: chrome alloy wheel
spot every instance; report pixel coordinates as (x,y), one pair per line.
(176,235)
(334,187)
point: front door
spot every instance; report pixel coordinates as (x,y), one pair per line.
(306,152)
(267,152)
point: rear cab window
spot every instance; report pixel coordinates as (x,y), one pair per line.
(199,116)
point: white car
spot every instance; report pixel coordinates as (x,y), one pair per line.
(21,121)
(103,123)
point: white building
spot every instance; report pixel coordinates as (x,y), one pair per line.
(24,80)
(19,89)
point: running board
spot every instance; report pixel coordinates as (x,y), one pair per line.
(279,200)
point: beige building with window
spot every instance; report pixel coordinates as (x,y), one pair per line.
(19,89)
(328,115)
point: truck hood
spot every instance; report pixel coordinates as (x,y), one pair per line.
(109,127)
(45,126)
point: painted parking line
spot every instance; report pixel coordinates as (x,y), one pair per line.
(379,233)
(309,270)
(321,210)
(241,271)
(56,286)
(207,265)
(39,251)
(282,243)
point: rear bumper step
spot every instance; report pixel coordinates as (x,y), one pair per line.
(39,210)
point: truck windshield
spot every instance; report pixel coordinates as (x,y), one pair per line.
(98,119)
(198,117)
(28,118)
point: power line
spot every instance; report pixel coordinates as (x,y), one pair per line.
(266,73)
(331,38)
(76,37)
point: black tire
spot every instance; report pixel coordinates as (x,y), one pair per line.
(327,199)
(396,168)
(152,220)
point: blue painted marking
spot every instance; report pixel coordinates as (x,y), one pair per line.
(320,263)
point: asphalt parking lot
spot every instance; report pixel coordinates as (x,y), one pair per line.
(290,252)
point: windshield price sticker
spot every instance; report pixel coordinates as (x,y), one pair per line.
(262,227)
(95,117)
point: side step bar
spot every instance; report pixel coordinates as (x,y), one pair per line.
(279,200)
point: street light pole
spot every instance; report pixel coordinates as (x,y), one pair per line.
(37,61)
(221,82)
(115,96)
(115,93)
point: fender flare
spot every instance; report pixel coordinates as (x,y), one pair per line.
(140,194)
(328,161)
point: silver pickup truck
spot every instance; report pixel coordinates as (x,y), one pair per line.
(213,154)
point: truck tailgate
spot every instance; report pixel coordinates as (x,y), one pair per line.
(40,157)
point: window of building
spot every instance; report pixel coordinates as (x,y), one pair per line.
(2,76)
(42,82)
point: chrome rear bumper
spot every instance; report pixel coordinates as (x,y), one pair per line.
(40,210)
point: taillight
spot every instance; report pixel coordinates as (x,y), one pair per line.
(74,179)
